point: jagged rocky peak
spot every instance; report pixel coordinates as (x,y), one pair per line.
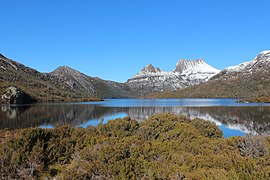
(64,70)
(184,66)
(187,73)
(186,61)
(263,56)
(150,68)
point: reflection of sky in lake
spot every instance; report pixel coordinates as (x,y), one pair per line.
(188,102)
(103,120)
(233,118)
(227,132)
(47,126)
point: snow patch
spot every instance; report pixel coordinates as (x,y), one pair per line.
(158,73)
(250,67)
(237,68)
(265,52)
(195,70)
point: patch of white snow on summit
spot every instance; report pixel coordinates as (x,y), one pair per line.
(237,67)
(200,68)
(195,70)
(265,52)
(264,56)
(160,73)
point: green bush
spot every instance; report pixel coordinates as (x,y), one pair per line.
(207,129)
(165,146)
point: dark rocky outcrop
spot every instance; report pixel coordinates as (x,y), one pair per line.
(14,95)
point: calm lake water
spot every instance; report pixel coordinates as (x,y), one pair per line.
(235,119)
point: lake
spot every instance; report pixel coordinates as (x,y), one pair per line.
(235,119)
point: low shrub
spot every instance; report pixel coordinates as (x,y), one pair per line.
(165,146)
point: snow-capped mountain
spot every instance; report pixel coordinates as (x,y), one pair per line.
(186,73)
(250,79)
(195,71)
(259,65)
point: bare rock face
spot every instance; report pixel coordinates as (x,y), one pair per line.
(14,95)
(90,86)
(150,69)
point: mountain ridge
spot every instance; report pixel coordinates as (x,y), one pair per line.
(186,73)
(249,80)
(190,78)
(95,86)
(63,84)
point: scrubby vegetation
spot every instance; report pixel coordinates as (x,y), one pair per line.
(45,93)
(254,87)
(261,98)
(165,146)
(63,84)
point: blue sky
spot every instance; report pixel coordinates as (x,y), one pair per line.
(114,39)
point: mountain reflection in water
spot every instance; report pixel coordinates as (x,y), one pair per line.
(246,119)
